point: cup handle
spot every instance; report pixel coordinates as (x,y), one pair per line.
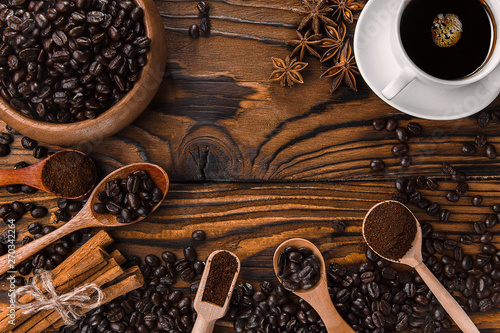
(404,77)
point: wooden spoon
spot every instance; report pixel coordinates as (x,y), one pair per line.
(413,258)
(87,218)
(32,175)
(208,313)
(318,296)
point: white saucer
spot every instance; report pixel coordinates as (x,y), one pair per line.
(378,66)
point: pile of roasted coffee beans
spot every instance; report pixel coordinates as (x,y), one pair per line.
(298,268)
(129,198)
(271,309)
(194,29)
(64,61)
(155,307)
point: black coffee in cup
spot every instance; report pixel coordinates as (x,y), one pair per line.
(448,39)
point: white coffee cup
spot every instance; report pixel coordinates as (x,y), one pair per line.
(409,71)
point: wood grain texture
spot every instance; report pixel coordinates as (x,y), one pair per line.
(254,164)
(252,219)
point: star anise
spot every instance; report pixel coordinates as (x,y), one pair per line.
(304,43)
(344,69)
(317,13)
(287,72)
(334,41)
(344,8)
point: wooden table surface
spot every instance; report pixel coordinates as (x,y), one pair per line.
(254,164)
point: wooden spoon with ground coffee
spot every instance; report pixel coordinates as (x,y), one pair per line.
(215,290)
(393,232)
(67,173)
(317,296)
(88,217)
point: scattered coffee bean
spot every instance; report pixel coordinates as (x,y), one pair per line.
(391,125)
(194,31)
(199,235)
(491,152)
(452,196)
(481,140)
(339,225)
(377,165)
(28,143)
(401,134)
(477,200)
(379,124)
(469,148)
(414,128)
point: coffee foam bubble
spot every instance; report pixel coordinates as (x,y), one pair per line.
(446,30)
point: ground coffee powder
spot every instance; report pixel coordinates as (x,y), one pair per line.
(222,270)
(69,174)
(390,229)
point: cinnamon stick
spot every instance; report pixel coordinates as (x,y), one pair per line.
(133,279)
(93,261)
(44,319)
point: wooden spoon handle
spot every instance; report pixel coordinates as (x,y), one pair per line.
(320,300)
(28,176)
(451,306)
(203,326)
(10,260)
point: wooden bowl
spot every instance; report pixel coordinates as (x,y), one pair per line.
(119,115)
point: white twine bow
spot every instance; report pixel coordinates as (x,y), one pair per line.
(47,298)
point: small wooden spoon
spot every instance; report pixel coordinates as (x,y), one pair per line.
(318,296)
(413,258)
(32,175)
(208,313)
(87,218)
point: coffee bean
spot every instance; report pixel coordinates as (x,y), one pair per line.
(391,125)
(28,143)
(377,165)
(40,152)
(379,124)
(444,215)
(205,25)
(6,138)
(152,260)
(491,220)
(481,140)
(34,228)
(432,184)
(190,254)
(203,8)
(479,227)
(400,149)
(468,148)
(433,209)
(194,31)
(452,196)
(198,235)
(39,212)
(462,188)
(401,134)
(414,128)
(466,239)
(4,150)
(405,161)
(477,200)
(483,119)
(491,151)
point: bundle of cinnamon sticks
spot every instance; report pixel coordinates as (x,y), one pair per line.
(88,264)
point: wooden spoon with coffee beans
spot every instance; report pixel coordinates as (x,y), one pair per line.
(87,217)
(318,296)
(413,258)
(67,173)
